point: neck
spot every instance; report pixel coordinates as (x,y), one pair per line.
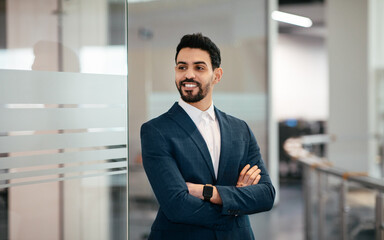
(203,105)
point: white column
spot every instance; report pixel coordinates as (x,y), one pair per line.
(273,148)
(352,86)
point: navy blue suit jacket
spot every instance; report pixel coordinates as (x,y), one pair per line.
(174,152)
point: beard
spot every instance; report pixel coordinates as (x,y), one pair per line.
(189,97)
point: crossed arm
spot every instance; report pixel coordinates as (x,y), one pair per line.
(248,176)
(180,201)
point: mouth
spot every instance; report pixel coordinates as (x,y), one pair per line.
(189,86)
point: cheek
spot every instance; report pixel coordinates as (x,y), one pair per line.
(178,77)
(213,81)
(177,83)
(177,80)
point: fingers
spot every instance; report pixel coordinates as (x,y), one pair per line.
(249,176)
(242,173)
(257,179)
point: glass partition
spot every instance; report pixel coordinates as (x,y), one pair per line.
(377,36)
(63,124)
(238,27)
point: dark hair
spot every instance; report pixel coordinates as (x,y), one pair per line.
(197,40)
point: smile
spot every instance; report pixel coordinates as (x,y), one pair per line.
(190,85)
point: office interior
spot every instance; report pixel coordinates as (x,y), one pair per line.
(79,77)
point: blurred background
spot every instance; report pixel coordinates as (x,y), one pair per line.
(79,77)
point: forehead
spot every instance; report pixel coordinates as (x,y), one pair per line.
(193,55)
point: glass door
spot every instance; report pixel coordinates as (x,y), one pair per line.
(239,28)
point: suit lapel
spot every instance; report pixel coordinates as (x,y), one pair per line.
(225,148)
(185,122)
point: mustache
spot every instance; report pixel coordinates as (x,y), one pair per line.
(190,81)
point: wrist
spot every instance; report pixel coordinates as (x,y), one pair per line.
(207,192)
(216,199)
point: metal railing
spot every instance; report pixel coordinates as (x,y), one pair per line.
(311,163)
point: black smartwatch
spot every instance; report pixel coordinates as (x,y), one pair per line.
(207,192)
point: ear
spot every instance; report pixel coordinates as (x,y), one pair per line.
(218,73)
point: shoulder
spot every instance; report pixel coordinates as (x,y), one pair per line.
(237,128)
(231,120)
(158,122)
(165,120)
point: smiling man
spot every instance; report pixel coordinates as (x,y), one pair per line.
(204,166)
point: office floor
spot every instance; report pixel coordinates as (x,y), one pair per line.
(285,220)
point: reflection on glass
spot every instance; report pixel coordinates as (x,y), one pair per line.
(98,45)
(154,29)
(45,51)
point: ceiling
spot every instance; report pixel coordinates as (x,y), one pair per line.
(284,2)
(313,9)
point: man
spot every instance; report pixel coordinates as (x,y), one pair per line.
(204,166)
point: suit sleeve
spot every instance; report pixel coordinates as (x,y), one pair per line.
(250,199)
(169,185)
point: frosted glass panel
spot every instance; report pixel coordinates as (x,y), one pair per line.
(63,120)
(54,115)
(63,135)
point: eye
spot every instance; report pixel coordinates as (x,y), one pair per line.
(181,67)
(200,68)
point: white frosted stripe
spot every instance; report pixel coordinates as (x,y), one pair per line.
(37,105)
(73,118)
(62,158)
(61,131)
(55,151)
(60,141)
(39,173)
(7,185)
(60,87)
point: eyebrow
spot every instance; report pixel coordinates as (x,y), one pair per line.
(195,63)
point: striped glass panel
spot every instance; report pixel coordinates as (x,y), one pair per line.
(63,120)
(61,124)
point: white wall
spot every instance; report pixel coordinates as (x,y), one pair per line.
(301,75)
(352,86)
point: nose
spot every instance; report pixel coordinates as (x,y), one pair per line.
(190,74)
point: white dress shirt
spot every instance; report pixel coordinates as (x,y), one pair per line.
(209,128)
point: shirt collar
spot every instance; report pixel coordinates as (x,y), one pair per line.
(195,114)
(211,112)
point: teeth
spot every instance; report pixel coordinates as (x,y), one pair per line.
(190,85)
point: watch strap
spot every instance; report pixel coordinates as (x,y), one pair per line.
(207,192)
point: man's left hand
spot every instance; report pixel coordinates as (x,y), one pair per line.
(249,176)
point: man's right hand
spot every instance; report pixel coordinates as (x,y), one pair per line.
(249,176)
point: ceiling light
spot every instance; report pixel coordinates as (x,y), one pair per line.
(291,19)
(137,1)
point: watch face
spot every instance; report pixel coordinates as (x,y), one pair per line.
(207,192)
